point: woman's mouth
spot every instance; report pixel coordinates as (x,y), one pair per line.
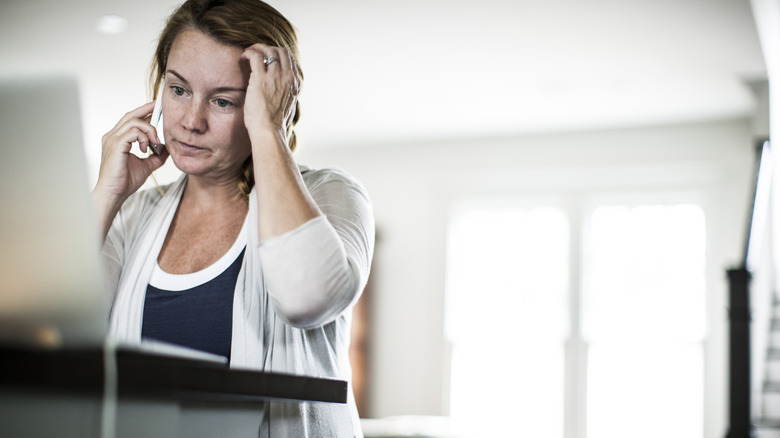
(190,147)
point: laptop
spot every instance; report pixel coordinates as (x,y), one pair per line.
(52,292)
(50,275)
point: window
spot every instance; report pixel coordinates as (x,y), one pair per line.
(507,314)
(644,320)
(637,283)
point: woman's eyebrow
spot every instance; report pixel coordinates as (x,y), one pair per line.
(173,72)
(215,90)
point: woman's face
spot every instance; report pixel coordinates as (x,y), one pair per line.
(203,107)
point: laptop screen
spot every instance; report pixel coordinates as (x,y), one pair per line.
(50,274)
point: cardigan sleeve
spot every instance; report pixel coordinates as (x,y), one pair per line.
(316,271)
(113,256)
(124,229)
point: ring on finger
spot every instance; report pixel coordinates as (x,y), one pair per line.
(268,60)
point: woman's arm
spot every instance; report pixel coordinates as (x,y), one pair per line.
(122,173)
(283,201)
(316,271)
(311,265)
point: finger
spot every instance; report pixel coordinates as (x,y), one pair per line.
(154,162)
(259,47)
(123,143)
(143,143)
(296,76)
(289,72)
(140,137)
(273,55)
(143,126)
(255,59)
(141,112)
(132,121)
(289,81)
(277,60)
(256,54)
(285,60)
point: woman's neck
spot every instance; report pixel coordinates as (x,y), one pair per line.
(200,194)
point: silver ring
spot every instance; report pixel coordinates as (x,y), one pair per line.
(267,60)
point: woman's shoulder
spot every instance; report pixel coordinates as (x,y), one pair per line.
(328,175)
(140,207)
(335,190)
(147,196)
(145,200)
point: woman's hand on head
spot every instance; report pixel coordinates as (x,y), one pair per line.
(272,91)
(122,173)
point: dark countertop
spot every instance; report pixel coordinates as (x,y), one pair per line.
(144,375)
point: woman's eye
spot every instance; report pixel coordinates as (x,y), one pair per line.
(222,103)
(178,91)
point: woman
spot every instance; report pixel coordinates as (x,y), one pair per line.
(247,255)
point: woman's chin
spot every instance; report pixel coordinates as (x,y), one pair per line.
(189,165)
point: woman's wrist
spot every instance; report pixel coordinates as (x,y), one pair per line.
(108,195)
(266,134)
(107,205)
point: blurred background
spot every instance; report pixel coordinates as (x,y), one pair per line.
(558,188)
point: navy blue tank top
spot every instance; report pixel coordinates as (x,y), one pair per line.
(199,318)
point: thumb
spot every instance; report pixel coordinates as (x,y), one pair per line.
(154,162)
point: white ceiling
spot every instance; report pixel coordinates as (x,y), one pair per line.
(379,72)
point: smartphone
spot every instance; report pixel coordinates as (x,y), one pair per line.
(157,122)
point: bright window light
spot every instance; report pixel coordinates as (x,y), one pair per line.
(644,321)
(658,387)
(641,334)
(507,285)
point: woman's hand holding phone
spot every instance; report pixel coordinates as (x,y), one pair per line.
(121,172)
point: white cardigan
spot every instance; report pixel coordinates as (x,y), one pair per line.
(293,297)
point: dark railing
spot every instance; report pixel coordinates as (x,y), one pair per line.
(739,304)
(739,354)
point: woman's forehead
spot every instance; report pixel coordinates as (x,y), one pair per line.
(196,57)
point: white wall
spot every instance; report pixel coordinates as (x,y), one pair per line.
(414,187)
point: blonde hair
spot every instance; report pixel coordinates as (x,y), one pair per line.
(240,23)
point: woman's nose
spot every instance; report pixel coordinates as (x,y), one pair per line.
(194,118)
